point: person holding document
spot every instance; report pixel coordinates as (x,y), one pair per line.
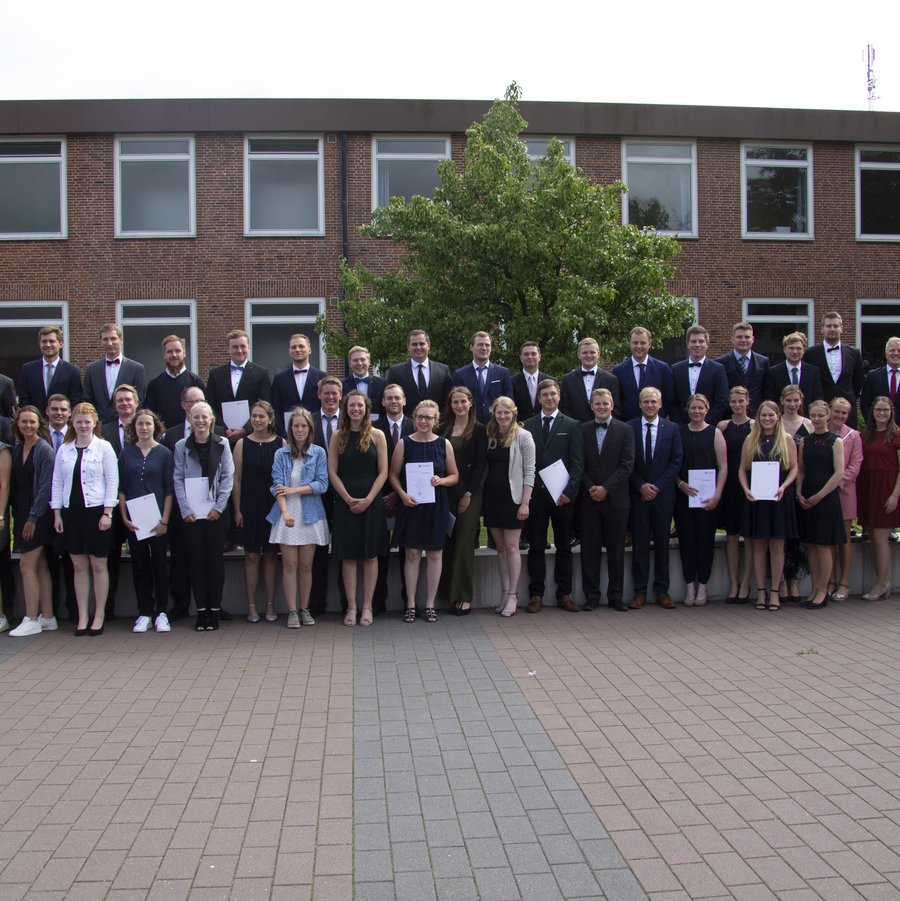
(821,468)
(559,461)
(204,476)
(423,467)
(84,493)
(146,496)
(700,484)
(767,474)
(507,495)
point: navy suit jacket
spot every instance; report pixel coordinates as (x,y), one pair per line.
(754,381)
(285,396)
(876,384)
(376,390)
(656,375)
(7,396)
(254,385)
(522,396)
(573,397)
(109,431)
(497,384)
(667,457)
(66,380)
(713,384)
(130,373)
(850,381)
(439,384)
(779,377)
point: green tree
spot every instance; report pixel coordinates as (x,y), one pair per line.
(526,250)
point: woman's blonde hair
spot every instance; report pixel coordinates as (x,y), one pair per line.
(493,430)
(298,450)
(780,450)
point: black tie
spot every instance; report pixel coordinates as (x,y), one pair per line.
(547,421)
(648,444)
(643,368)
(423,388)
(395,432)
(328,431)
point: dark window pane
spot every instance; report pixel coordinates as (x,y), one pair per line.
(144,344)
(879,201)
(285,311)
(404,178)
(762,309)
(879,156)
(660,196)
(30,201)
(880,310)
(30,148)
(677,151)
(874,337)
(159,311)
(776,153)
(46,315)
(411,146)
(270,344)
(284,145)
(777,200)
(769,335)
(154,147)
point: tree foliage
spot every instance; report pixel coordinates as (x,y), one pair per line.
(528,250)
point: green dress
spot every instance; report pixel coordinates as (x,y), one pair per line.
(358,536)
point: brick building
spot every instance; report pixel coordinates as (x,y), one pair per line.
(196,216)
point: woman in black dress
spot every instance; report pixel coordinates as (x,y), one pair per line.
(251,501)
(85,492)
(796,562)
(704,448)
(731,510)
(423,526)
(31,478)
(5,561)
(821,464)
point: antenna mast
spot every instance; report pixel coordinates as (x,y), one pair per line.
(870,76)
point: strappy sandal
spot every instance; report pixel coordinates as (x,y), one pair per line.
(431,615)
(506,611)
(775,605)
(764,604)
(409,615)
(350,617)
(366,619)
(461,608)
(842,593)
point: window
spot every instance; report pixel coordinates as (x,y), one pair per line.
(406,166)
(878,193)
(776,198)
(272,321)
(773,319)
(662,186)
(155,187)
(671,350)
(20,323)
(283,186)
(32,189)
(537,147)
(876,321)
(146,322)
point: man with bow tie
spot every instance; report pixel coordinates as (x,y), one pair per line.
(699,375)
(359,360)
(238,379)
(579,384)
(296,386)
(103,376)
(839,364)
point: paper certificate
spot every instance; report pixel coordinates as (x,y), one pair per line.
(555,478)
(704,480)
(197,491)
(236,413)
(144,513)
(765,479)
(418,482)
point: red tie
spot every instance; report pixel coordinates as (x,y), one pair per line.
(893,384)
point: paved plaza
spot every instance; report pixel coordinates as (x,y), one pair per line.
(710,753)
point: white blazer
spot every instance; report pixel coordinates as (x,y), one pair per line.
(99,475)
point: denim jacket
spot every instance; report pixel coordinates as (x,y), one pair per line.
(313,473)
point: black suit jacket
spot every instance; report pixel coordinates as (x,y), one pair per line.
(6,431)
(850,382)
(285,396)
(7,396)
(779,377)
(130,373)
(573,399)
(712,384)
(109,431)
(407,427)
(754,381)
(66,380)
(611,468)
(439,384)
(877,384)
(522,396)
(254,385)
(376,390)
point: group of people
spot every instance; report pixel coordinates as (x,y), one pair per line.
(304,462)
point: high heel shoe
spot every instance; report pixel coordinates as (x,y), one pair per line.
(871,596)
(461,608)
(813,605)
(776,604)
(94,632)
(764,603)
(507,611)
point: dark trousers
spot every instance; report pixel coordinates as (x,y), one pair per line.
(602,527)
(696,540)
(57,560)
(7,580)
(205,542)
(541,513)
(651,520)
(150,573)
(179,566)
(114,561)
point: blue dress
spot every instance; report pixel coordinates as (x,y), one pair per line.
(425,525)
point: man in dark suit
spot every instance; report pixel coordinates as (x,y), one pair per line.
(557,438)
(699,375)
(49,375)
(578,385)
(420,377)
(103,376)
(793,371)
(745,367)
(486,380)
(359,361)
(395,425)
(605,502)
(298,385)
(639,371)
(524,383)
(839,364)
(165,393)
(59,412)
(884,381)
(238,379)
(658,455)
(7,396)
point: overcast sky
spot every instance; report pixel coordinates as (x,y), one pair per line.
(752,54)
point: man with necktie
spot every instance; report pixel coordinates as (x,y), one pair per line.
(296,386)
(640,371)
(793,371)
(745,367)
(525,383)
(49,375)
(420,377)
(486,380)
(884,381)
(699,375)
(359,360)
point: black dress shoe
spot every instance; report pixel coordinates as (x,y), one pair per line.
(618,606)
(225,616)
(524,544)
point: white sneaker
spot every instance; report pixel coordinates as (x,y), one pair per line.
(27,627)
(306,617)
(4,624)
(162,623)
(48,623)
(142,624)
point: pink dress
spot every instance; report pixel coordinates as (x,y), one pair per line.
(853,457)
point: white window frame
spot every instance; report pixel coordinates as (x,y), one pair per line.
(788,319)
(570,156)
(862,318)
(376,156)
(190,156)
(294,323)
(63,233)
(858,167)
(38,321)
(320,183)
(176,324)
(807,164)
(692,162)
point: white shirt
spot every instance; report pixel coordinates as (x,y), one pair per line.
(300,376)
(112,374)
(236,376)
(531,382)
(694,371)
(426,371)
(636,366)
(175,375)
(653,434)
